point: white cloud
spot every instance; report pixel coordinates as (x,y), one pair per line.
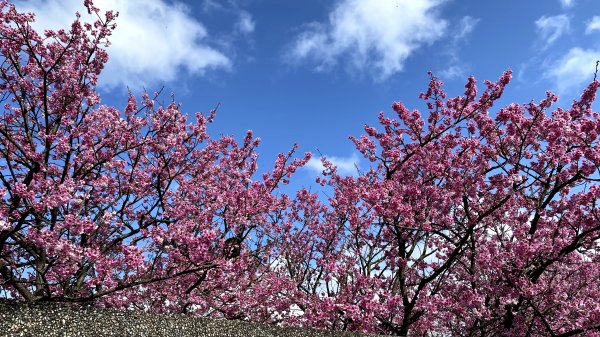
(455,68)
(374,35)
(574,70)
(550,28)
(593,25)
(467,24)
(345,165)
(4,225)
(154,39)
(210,5)
(567,3)
(246,24)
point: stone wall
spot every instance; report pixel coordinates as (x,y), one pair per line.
(53,320)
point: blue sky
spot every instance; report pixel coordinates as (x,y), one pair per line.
(314,71)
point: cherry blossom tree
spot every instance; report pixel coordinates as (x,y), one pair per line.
(473,221)
(106,205)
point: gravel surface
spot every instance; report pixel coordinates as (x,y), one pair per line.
(54,320)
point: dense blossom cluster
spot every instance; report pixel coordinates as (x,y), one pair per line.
(471,221)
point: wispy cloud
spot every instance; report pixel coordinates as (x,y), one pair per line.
(153,42)
(370,35)
(550,28)
(567,3)
(245,24)
(455,67)
(593,25)
(211,5)
(467,24)
(345,165)
(574,70)
(454,70)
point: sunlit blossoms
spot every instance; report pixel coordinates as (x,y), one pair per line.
(106,204)
(472,220)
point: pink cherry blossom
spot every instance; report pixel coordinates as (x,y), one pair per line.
(472,220)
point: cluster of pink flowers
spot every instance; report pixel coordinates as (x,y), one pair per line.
(471,221)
